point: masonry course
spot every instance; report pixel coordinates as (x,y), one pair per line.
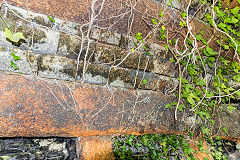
(51,50)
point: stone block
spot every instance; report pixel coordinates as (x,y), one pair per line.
(57,67)
(132,79)
(106,36)
(97,148)
(126,78)
(158,63)
(25,65)
(44,41)
(39,20)
(70,45)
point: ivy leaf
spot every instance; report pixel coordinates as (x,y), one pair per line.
(231,108)
(234,20)
(211,94)
(201,83)
(163,27)
(51,19)
(15,57)
(14,66)
(14,37)
(205,130)
(144,140)
(133,50)
(210,51)
(169,106)
(236,78)
(180,107)
(202,114)
(144,81)
(235,10)
(225,130)
(190,100)
(226,47)
(238,93)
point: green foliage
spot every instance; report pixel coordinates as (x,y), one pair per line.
(14,65)
(15,58)
(144,81)
(156,146)
(51,19)
(13,37)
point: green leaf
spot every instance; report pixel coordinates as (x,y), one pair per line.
(172,60)
(148,53)
(190,100)
(205,130)
(161,14)
(238,93)
(180,107)
(15,57)
(144,81)
(19,35)
(183,14)
(144,140)
(168,106)
(8,33)
(236,78)
(13,37)
(226,47)
(51,19)
(210,51)
(14,66)
(235,10)
(182,23)
(222,26)
(225,130)
(166,47)
(202,114)
(163,28)
(211,94)
(199,37)
(234,20)
(201,83)
(231,108)
(133,50)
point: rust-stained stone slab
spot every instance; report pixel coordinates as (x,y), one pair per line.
(97,148)
(30,106)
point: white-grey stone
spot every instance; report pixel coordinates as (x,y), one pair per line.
(106,36)
(49,45)
(23,64)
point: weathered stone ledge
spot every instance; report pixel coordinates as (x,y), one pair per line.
(31,106)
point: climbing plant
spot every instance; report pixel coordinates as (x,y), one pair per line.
(209,71)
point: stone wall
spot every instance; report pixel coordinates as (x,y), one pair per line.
(56,93)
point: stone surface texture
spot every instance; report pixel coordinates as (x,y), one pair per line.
(55,93)
(79,98)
